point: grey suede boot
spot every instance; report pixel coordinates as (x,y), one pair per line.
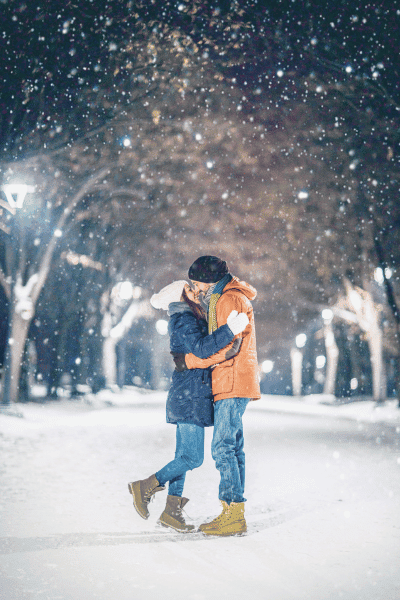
(142,491)
(172,515)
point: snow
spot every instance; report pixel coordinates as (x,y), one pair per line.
(322,512)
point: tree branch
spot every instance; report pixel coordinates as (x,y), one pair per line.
(48,255)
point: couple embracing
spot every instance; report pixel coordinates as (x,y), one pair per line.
(212,340)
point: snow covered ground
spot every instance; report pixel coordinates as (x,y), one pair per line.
(323,514)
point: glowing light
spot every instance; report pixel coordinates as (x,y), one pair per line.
(303,195)
(16,193)
(354,383)
(162,326)
(327,314)
(125,290)
(320,361)
(378,274)
(301,340)
(267,366)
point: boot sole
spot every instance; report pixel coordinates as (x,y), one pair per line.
(237,533)
(132,491)
(168,526)
(214,531)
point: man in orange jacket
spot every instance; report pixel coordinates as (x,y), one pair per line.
(235,383)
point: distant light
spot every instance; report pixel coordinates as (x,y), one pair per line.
(303,195)
(280,73)
(267,366)
(78,361)
(16,193)
(209,164)
(354,383)
(378,274)
(198,137)
(57,233)
(125,290)
(126,142)
(349,69)
(301,340)
(327,314)
(320,361)
(162,326)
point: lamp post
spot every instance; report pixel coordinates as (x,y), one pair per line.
(15,194)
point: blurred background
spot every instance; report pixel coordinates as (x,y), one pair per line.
(137,136)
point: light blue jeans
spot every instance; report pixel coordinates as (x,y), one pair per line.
(227,447)
(189,454)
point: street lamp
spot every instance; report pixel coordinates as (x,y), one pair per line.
(16,193)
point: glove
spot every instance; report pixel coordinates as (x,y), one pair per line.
(179,360)
(237,322)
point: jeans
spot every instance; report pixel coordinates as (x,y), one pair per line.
(227,447)
(189,454)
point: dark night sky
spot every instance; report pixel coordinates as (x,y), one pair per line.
(53,44)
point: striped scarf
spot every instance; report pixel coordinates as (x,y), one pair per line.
(215,296)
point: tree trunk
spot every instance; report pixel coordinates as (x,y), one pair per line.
(375,348)
(110,361)
(14,357)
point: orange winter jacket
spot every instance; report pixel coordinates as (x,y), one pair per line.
(235,377)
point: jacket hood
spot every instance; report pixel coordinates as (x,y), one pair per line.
(245,288)
(178,307)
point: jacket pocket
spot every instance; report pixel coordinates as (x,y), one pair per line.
(222,378)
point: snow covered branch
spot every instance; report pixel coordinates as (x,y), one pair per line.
(46,261)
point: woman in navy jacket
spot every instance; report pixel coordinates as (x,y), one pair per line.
(189,402)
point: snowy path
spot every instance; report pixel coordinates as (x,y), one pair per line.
(323,509)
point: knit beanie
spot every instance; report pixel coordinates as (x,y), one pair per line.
(208,269)
(170,293)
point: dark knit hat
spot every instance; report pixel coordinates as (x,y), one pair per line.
(208,269)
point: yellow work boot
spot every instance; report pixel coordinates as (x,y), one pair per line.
(172,515)
(230,522)
(142,492)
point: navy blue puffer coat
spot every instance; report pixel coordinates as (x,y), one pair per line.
(190,396)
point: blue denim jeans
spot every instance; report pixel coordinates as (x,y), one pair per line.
(227,447)
(189,454)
